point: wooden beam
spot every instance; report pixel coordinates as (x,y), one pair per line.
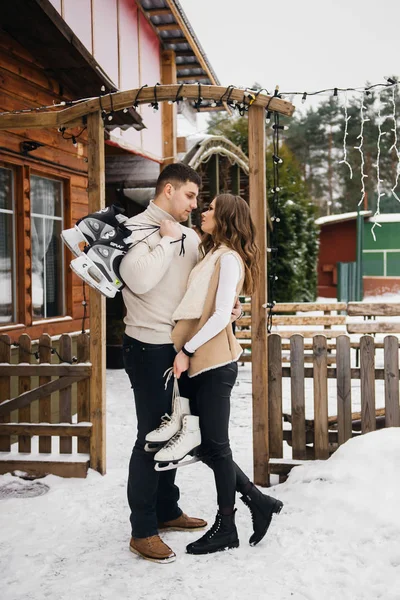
(41,467)
(158,12)
(45,370)
(184,53)
(168,111)
(258,209)
(183,66)
(192,77)
(25,398)
(121,100)
(167,26)
(97,302)
(31,429)
(178,40)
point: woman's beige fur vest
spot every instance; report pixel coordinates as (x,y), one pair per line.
(223,348)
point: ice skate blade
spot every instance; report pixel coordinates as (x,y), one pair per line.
(148,446)
(161,561)
(85,268)
(176,464)
(72,238)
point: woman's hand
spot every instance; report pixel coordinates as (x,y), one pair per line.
(181,364)
(236,311)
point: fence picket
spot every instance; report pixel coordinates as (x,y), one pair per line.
(83,392)
(5,388)
(45,344)
(297,397)
(367,377)
(343,381)
(391,364)
(24,384)
(66,396)
(321,439)
(275,396)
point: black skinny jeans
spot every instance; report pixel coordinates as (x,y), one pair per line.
(152,496)
(211,394)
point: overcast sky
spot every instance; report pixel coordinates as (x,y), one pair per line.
(299,45)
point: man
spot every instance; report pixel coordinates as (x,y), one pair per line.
(156,271)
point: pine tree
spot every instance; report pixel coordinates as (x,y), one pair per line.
(297,234)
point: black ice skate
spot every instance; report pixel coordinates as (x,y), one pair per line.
(99,264)
(91,228)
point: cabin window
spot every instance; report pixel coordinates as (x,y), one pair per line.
(8,302)
(47,250)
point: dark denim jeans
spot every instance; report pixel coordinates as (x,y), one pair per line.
(211,392)
(152,496)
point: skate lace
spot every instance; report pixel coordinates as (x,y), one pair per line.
(165,421)
(175,440)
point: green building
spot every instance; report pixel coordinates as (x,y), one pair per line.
(381,258)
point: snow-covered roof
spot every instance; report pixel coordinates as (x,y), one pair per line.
(388,218)
(343,217)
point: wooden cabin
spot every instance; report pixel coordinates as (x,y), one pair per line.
(77,50)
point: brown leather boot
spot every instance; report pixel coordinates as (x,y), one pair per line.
(183,523)
(152,548)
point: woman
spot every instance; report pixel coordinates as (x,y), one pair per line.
(208,350)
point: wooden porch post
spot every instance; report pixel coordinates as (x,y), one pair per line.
(97,302)
(168,75)
(258,209)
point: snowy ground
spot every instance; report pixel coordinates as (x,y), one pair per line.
(337,537)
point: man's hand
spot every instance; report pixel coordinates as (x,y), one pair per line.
(181,364)
(170,229)
(236,311)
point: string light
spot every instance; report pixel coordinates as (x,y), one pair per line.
(378,174)
(346,122)
(360,148)
(394,145)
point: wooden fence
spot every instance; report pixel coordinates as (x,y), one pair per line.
(42,406)
(318,437)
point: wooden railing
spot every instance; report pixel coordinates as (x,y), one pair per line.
(45,411)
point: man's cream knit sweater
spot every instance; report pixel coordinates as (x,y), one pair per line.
(156,276)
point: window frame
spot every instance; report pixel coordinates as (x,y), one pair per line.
(14,270)
(63,278)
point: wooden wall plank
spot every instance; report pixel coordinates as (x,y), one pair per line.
(83,391)
(66,395)
(24,385)
(367,376)
(5,388)
(391,365)
(275,396)
(343,383)
(45,344)
(298,397)
(321,440)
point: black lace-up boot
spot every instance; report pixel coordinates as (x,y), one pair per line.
(222,536)
(262,507)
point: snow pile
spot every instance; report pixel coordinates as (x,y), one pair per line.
(336,539)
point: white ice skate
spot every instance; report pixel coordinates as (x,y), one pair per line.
(170,425)
(173,454)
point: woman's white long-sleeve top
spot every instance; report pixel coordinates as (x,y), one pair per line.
(230,273)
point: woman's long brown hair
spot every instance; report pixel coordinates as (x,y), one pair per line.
(234,228)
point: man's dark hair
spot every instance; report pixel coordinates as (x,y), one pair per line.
(177,174)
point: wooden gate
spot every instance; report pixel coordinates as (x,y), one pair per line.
(38,423)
